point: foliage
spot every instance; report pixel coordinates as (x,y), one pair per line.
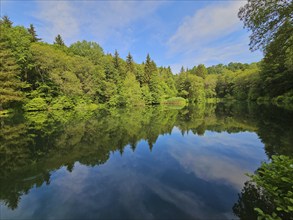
(61,103)
(277,66)
(269,192)
(177,101)
(191,87)
(265,18)
(10,83)
(59,41)
(83,72)
(89,49)
(36,104)
(32,31)
(272,31)
(131,92)
(276,179)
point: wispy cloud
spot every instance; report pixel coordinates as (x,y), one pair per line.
(206,25)
(207,156)
(235,50)
(57,17)
(98,20)
(212,35)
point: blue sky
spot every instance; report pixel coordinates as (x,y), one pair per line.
(175,33)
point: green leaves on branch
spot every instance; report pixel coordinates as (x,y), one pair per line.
(264,18)
(269,193)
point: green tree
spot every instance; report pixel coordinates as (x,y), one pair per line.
(33,33)
(155,86)
(59,40)
(116,60)
(182,70)
(10,84)
(201,71)
(5,21)
(210,83)
(272,31)
(18,40)
(131,93)
(149,68)
(264,18)
(89,49)
(129,63)
(191,87)
(277,74)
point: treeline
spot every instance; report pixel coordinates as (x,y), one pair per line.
(55,76)
(39,76)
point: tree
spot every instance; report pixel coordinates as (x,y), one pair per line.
(129,63)
(59,40)
(182,70)
(264,18)
(10,83)
(33,33)
(131,92)
(116,60)
(277,67)
(201,71)
(89,49)
(210,83)
(18,40)
(191,87)
(6,21)
(149,68)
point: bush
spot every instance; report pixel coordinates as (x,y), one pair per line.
(174,101)
(276,179)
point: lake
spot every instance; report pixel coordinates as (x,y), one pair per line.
(140,163)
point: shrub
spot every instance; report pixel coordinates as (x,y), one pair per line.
(276,179)
(174,101)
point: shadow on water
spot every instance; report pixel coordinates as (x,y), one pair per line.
(34,144)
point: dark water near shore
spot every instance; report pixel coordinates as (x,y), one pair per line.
(140,163)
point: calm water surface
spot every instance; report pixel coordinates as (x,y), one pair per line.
(141,163)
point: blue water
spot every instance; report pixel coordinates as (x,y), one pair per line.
(181,175)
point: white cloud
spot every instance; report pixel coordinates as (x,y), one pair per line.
(212,35)
(99,20)
(207,157)
(205,26)
(57,17)
(233,51)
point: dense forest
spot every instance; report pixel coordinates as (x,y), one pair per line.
(38,76)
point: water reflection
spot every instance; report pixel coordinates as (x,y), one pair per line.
(136,163)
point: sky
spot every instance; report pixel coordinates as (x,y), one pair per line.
(174,33)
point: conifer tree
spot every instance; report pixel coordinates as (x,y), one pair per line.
(182,70)
(33,33)
(6,21)
(149,68)
(129,63)
(59,40)
(10,84)
(116,60)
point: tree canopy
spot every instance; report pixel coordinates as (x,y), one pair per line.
(82,73)
(264,18)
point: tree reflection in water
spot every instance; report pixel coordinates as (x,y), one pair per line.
(34,144)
